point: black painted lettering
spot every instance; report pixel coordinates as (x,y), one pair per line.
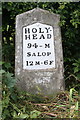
(47,29)
(48,53)
(51,62)
(29,45)
(27,63)
(33,54)
(43,54)
(40,30)
(42,37)
(47,45)
(49,36)
(38,54)
(34,36)
(34,30)
(31,63)
(27,37)
(46,62)
(37,62)
(35,45)
(28,54)
(27,30)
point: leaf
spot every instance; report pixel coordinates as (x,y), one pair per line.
(10,81)
(34,114)
(7,65)
(70,97)
(1,62)
(5,102)
(16,108)
(20,115)
(75,64)
(78,76)
(76,105)
(71,93)
(76,69)
(5,114)
(23,116)
(2,71)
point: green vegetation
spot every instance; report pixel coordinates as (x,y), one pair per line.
(24,105)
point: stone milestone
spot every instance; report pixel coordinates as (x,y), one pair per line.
(38,52)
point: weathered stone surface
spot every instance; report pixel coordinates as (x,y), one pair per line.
(39,81)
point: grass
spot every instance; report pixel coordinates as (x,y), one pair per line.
(22,105)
